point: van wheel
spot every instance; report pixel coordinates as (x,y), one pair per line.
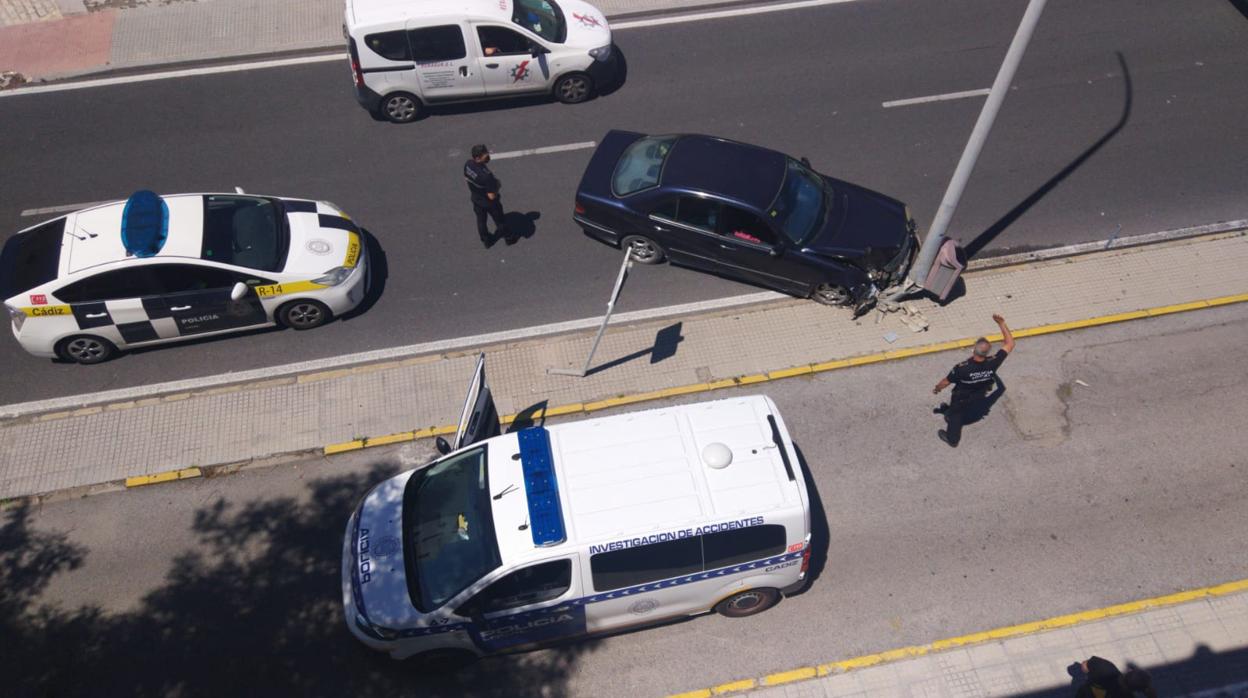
(400,107)
(747,603)
(645,250)
(574,88)
(86,349)
(442,661)
(303,314)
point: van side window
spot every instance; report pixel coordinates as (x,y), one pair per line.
(500,41)
(742,545)
(646,563)
(445,43)
(525,586)
(390,45)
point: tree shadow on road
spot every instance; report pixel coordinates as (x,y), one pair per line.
(981,241)
(254,609)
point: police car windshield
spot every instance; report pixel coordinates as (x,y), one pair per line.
(799,207)
(542,17)
(247,231)
(448,529)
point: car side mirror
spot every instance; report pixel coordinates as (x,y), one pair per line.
(535,50)
(442,446)
(806,162)
(240,289)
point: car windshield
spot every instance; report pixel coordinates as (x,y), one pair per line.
(542,17)
(31,258)
(246,231)
(799,206)
(641,165)
(448,529)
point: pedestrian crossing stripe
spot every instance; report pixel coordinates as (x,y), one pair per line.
(274,290)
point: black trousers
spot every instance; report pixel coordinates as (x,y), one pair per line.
(961,403)
(494,209)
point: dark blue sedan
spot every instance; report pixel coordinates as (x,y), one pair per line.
(746,213)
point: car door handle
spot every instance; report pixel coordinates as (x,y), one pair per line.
(726,247)
(491,65)
(181,307)
(95,315)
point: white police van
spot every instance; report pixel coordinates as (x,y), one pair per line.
(518,540)
(406,54)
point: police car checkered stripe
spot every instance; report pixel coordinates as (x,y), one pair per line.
(583,601)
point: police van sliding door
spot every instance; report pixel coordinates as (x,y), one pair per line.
(533,605)
(646,583)
(444,70)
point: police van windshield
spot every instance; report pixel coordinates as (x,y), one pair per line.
(542,17)
(448,529)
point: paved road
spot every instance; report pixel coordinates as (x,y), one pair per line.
(1066,497)
(1078,152)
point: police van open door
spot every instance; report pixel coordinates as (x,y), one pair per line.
(479,420)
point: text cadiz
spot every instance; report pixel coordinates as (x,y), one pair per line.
(675,535)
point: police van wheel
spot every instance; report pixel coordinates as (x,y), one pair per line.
(574,88)
(303,314)
(86,349)
(442,661)
(645,250)
(747,603)
(400,107)
(831,294)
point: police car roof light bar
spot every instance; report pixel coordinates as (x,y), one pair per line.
(144,224)
(541,487)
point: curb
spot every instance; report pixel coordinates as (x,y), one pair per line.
(892,355)
(1005,633)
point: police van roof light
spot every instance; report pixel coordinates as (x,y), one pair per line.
(541,487)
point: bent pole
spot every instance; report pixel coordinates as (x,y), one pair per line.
(979,135)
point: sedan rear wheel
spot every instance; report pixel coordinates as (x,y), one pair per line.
(303,314)
(645,250)
(86,349)
(832,294)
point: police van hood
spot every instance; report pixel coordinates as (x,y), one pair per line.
(587,25)
(375,584)
(321,239)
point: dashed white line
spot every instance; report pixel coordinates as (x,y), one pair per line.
(543,150)
(323,58)
(936,98)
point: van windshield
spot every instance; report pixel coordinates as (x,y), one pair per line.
(542,17)
(448,529)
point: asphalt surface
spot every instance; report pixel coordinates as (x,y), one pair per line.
(1080,152)
(1109,471)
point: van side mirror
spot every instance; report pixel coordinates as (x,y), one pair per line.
(239,290)
(442,446)
(535,50)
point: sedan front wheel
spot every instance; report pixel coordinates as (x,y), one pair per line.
(645,250)
(832,294)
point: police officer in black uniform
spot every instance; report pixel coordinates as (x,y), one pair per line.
(971,380)
(483,187)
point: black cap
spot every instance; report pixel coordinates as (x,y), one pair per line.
(479,150)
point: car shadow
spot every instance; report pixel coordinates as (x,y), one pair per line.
(985,238)
(378,272)
(820,533)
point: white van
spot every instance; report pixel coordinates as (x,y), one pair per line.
(406,54)
(518,540)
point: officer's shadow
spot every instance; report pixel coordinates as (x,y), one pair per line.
(521,226)
(981,408)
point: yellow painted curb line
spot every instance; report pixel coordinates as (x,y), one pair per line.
(889,355)
(168,475)
(1012,631)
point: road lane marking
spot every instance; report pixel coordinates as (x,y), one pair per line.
(936,98)
(1008,632)
(325,58)
(61,209)
(543,150)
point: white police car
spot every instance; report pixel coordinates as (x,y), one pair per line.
(518,540)
(154,269)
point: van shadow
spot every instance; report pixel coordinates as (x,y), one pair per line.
(820,534)
(252,607)
(987,236)
(666,341)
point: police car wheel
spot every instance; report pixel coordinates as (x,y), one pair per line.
(574,88)
(747,603)
(400,107)
(86,349)
(645,250)
(831,294)
(303,314)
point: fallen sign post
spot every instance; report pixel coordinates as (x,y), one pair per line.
(615,295)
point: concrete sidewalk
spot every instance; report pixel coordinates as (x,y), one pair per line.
(418,396)
(1193,644)
(50,39)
